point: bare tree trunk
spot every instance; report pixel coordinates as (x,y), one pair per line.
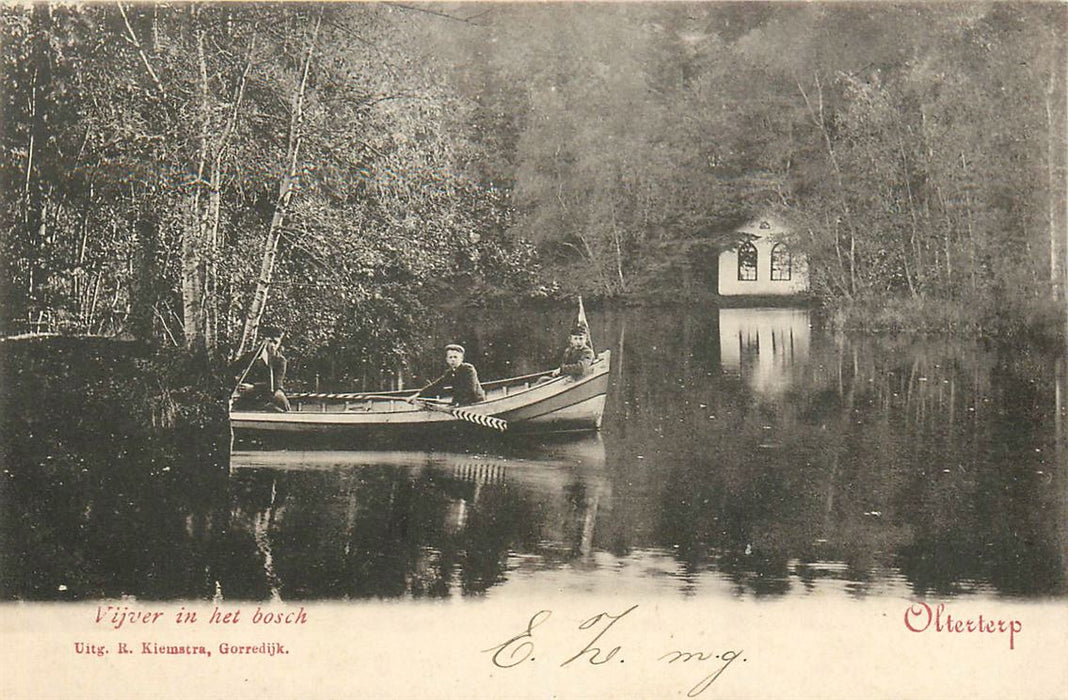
(211,291)
(852,264)
(34,206)
(131,36)
(211,271)
(193,230)
(947,230)
(843,285)
(969,219)
(816,113)
(1057,264)
(285,193)
(190,288)
(92,304)
(912,216)
(943,247)
(617,242)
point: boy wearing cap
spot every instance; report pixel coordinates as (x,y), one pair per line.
(578,357)
(461,376)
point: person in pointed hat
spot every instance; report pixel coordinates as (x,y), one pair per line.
(577,360)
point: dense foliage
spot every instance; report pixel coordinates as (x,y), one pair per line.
(180,171)
(916,151)
(175,171)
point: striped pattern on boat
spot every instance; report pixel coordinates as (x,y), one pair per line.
(488,421)
(340,396)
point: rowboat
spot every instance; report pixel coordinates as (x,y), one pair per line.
(532,403)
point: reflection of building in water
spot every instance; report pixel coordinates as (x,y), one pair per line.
(763,345)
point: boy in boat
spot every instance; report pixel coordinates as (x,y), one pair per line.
(578,357)
(264,380)
(461,376)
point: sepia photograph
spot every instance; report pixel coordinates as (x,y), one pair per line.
(534,350)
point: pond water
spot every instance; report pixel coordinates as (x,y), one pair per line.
(744,453)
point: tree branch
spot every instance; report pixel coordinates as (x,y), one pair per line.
(132,38)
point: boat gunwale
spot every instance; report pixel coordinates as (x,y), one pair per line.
(560,382)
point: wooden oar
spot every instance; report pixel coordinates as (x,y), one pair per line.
(429,404)
(443,406)
(465,415)
(255,356)
(412,399)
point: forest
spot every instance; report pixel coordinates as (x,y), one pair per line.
(181,173)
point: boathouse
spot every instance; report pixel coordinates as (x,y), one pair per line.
(761,262)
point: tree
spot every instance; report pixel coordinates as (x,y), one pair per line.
(163,163)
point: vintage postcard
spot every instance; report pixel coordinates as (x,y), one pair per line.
(534,350)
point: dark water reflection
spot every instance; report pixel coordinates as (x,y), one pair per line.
(108,523)
(744,452)
(797,457)
(359,524)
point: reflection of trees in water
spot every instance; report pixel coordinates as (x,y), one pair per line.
(389,530)
(929,461)
(111,472)
(930,458)
(101,526)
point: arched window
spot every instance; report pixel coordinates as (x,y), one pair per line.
(780,263)
(747,262)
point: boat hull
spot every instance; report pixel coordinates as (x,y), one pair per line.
(551,405)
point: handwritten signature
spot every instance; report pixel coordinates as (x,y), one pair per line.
(521,647)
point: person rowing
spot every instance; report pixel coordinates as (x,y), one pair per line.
(263,381)
(461,376)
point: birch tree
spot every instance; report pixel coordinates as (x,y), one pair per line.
(287,185)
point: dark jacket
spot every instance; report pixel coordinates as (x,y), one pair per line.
(267,379)
(464,383)
(269,376)
(576,362)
